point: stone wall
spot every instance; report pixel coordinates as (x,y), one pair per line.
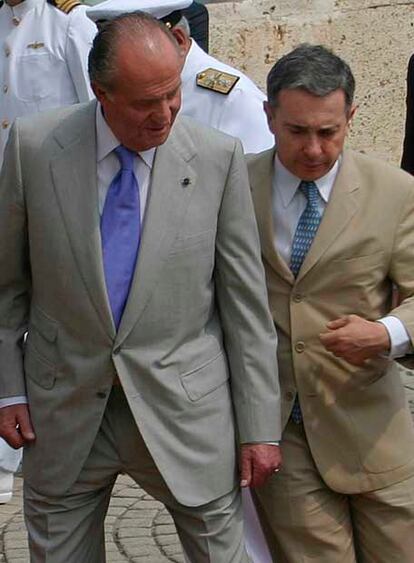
(374,37)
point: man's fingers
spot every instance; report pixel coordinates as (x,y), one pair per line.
(15,425)
(338,323)
(261,461)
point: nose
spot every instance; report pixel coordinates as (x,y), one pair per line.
(313,147)
(164,112)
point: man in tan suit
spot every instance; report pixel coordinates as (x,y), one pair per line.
(337,230)
(130,253)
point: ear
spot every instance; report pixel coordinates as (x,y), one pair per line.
(184,42)
(351,114)
(100,94)
(270,112)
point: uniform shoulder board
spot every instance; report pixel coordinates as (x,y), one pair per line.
(216,80)
(65,6)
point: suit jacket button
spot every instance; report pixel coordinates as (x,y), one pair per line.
(289,396)
(116,350)
(101,394)
(297,298)
(300,347)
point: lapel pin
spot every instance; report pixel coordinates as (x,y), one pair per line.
(185,182)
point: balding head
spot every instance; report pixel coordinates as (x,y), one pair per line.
(137,33)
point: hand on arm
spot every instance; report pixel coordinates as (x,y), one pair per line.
(355,339)
(15,425)
(258,462)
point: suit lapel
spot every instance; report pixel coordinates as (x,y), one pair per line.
(74,177)
(261,176)
(172,183)
(341,207)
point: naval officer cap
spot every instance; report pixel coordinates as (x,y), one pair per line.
(169,11)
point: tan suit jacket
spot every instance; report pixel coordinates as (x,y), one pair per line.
(196,342)
(356,419)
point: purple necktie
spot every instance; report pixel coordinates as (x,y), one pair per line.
(120,232)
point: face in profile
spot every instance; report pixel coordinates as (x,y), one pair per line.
(310,130)
(144,99)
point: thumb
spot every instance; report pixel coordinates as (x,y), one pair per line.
(338,323)
(25,425)
(246,469)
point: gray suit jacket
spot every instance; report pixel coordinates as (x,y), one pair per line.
(196,342)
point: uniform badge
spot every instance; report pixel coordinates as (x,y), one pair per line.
(35,45)
(216,80)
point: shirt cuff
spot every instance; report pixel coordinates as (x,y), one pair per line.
(275,443)
(10,401)
(400,341)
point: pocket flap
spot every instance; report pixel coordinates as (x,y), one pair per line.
(44,325)
(40,371)
(206,378)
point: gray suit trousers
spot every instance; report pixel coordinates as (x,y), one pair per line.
(70,529)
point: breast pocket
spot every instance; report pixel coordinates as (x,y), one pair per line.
(35,74)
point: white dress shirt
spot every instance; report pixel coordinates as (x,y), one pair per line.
(107,166)
(288,204)
(43,60)
(239,113)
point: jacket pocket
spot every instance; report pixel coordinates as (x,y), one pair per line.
(38,369)
(206,378)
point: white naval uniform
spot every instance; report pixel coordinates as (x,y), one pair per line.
(43,65)
(43,60)
(239,113)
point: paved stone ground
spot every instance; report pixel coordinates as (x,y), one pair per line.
(138,529)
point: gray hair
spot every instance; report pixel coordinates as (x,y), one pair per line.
(312,68)
(184,25)
(137,27)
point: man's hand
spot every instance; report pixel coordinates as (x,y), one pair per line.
(355,339)
(15,425)
(258,462)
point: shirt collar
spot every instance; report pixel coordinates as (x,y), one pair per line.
(106,141)
(287,183)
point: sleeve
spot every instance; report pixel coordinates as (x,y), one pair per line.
(249,333)
(81,31)
(407,162)
(402,261)
(243,117)
(15,282)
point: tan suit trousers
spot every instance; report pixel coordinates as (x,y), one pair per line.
(307,522)
(70,529)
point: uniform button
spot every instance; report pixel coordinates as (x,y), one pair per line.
(16,20)
(7,51)
(5,88)
(297,297)
(5,124)
(101,394)
(289,396)
(300,346)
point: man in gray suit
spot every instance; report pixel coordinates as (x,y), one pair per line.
(129,251)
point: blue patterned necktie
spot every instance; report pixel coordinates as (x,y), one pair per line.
(305,233)
(120,232)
